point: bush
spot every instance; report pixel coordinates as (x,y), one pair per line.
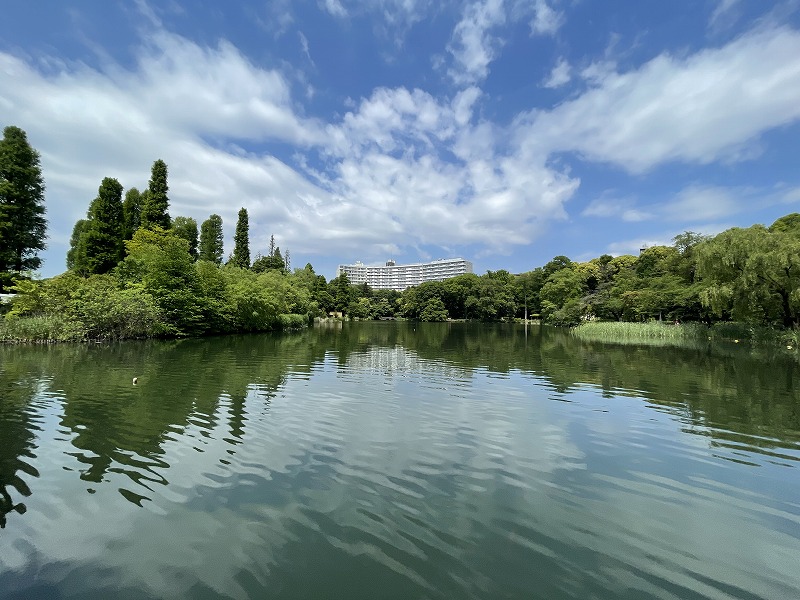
(40,328)
(292,321)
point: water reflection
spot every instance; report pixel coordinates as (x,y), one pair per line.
(394,460)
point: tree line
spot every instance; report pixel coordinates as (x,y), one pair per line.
(134,271)
(750,275)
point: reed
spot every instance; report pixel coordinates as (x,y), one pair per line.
(688,335)
(652,333)
(41,329)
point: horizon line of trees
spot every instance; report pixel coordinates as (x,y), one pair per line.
(134,271)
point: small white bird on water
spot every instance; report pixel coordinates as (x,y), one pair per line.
(135,380)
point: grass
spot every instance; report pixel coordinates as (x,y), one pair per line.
(652,333)
(42,329)
(656,333)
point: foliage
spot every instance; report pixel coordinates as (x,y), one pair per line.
(76,255)
(254,301)
(155,205)
(131,213)
(292,321)
(159,262)
(434,311)
(273,261)
(186,228)
(23,227)
(752,274)
(71,308)
(241,241)
(211,246)
(560,295)
(101,242)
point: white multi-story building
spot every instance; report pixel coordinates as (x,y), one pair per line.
(392,276)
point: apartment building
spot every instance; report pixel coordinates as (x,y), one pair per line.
(392,276)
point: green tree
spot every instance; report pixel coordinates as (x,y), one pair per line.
(787,223)
(273,261)
(186,228)
(156,203)
(752,275)
(560,296)
(23,227)
(342,292)
(131,212)
(158,262)
(434,310)
(76,255)
(211,240)
(102,241)
(241,241)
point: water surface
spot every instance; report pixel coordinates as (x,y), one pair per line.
(393,460)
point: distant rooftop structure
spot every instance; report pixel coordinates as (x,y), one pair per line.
(392,276)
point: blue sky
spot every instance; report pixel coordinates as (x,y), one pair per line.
(503,131)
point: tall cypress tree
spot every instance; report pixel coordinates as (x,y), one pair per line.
(76,255)
(156,203)
(241,248)
(102,242)
(211,239)
(131,213)
(23,227)
(186,228)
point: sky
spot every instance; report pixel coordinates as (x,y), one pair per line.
(505,132)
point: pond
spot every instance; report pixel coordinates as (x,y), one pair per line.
(398,460)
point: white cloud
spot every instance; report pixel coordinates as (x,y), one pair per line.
(546,20)
(304,46)
(695,203)
(702,203)
(472,46)
(560,75)
(791,196)
(383,177)
(335,8)
(613,207)
(391,175)
(402,168)
(708,107)
(722,12)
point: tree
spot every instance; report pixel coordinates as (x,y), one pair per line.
(560,296)
(273,261)
(156,203)
(211,248)
(76,255)
(158,261)
(186,228)
(342,292)
(131,212)
(23,227)
(786,223)
(434,310)
(752,275)
(241,241)
(102,241)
